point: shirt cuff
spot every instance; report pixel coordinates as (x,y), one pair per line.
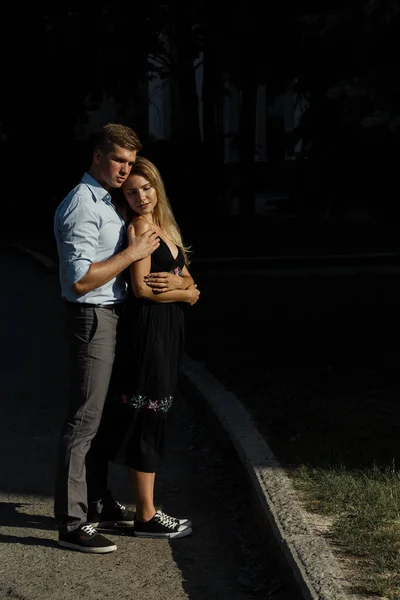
(77,270)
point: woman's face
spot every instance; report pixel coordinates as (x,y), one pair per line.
(140,195)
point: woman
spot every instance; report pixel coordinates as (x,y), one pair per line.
(150,348)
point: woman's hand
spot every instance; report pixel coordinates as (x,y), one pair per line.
(164,282)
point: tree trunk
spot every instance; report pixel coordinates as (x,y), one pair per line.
(213,124)
(247,128)
(186,126)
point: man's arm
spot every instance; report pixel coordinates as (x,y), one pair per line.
(142,290)
(166,282)
(100,273)
(78,234)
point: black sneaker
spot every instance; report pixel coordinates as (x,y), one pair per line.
(116,515)
(86,539)
(161,526)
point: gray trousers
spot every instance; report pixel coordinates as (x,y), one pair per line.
(82,467)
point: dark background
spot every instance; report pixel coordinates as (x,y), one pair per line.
(60,60)
(308,337)
(299,308)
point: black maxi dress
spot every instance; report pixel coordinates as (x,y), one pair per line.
(146,369)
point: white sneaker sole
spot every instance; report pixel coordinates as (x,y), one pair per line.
(185,522)
(100,550)
(175,534)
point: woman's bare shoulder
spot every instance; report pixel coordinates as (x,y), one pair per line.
(140,225)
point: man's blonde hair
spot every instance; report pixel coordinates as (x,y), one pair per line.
(115,134)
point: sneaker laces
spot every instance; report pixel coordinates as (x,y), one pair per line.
(166,520)
(89,529)
(176,521)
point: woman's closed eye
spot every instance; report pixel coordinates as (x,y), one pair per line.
(135,192)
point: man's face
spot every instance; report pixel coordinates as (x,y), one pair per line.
(112,168)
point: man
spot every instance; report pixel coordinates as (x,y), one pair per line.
(90,238)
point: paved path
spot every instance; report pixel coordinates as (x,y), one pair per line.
(223,559)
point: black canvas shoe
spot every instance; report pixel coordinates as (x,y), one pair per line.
(86,539)
(116,515)
(161,526)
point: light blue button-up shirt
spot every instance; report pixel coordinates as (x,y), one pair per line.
(88,230)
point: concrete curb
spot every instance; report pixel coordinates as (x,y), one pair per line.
(304,556)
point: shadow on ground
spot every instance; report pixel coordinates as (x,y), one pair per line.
(224,557)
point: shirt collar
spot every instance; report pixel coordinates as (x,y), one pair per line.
(99,193)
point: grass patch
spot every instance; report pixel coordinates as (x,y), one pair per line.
(365,510)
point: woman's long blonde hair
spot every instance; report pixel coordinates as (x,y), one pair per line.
(163,215)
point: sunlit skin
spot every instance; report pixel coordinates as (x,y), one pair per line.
(141,196)
(111,169)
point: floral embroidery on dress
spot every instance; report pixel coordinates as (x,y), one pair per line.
(139,401)
(176,271)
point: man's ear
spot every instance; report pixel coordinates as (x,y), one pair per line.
(97,156)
